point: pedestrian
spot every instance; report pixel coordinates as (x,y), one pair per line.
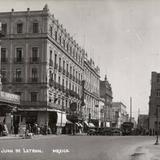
(1,129)
(16,128)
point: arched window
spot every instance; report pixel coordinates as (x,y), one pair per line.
(35,27)
(19,27)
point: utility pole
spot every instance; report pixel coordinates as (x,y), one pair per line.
(130,109)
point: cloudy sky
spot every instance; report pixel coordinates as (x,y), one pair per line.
(122,36)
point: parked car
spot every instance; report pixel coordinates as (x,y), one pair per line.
(105,131)
(116,132)
(91,132)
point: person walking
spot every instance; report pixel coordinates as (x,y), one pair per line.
(16,128)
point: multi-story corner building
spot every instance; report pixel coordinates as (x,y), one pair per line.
(154,102)
(119,114)
(43,64)
(91,91)
(106,93)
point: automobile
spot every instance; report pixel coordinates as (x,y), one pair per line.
(116,132)
(105,131)
(91,132)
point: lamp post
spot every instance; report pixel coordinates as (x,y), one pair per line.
(1,35)
(157,142)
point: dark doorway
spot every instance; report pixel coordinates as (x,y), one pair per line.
(52,121)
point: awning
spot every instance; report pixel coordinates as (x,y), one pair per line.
(80,125)
(91,125)
(61,119)
(77,124)
(86,123)
(68,122)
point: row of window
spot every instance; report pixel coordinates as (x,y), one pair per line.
(19,54)
(18,74)
(67,44)
(34,78)
(33,96)
(35,29)
(35,58)
(20,28)
(61,63)
(60,101)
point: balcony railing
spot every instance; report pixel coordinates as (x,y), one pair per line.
(60,69)
(34,59)
(70,76)
(67,74)
(18,60)
(17,80)
(33,79)
(64,72)
(55,66)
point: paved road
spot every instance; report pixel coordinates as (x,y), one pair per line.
(73,147)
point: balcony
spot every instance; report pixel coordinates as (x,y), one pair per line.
(33,79)
(17,80)
(34,59)
(60,69)
(55,66)
(64,72)
(18,60)
(70,76)
(74,78)
(50,63)
(67,74)
(39,104)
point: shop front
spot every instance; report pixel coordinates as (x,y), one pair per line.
(8,111)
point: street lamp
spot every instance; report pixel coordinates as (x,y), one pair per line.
(1,35)
(157,142)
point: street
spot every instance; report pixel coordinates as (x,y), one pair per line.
(54,147)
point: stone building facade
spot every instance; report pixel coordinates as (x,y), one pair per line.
(119,115)
(106,93)
(154,102)
(43,64)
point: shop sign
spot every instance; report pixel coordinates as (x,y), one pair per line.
(10,98)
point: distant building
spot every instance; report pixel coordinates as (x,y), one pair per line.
(143,123)
(106,93)
(154,101)
(119,114)
(91,91)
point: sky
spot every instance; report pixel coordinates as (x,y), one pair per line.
(122,37)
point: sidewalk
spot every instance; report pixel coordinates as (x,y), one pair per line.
(147,152)
(12,136)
